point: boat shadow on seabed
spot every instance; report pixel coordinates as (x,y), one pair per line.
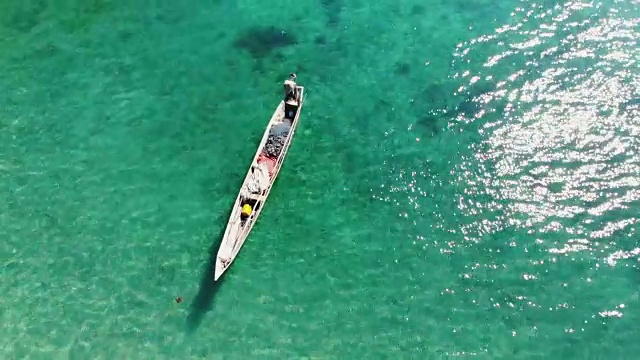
(203,301)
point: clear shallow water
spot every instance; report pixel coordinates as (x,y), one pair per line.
(473,191)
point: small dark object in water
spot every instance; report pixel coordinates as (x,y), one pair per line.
(178,300)
(402,68)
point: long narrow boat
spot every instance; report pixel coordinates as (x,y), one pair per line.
(257,184)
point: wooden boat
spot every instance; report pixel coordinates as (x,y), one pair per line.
(257,184)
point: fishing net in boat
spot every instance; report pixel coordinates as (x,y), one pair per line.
(276,140)
(274,145)
(258,179)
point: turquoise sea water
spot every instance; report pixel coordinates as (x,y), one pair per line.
(464,180)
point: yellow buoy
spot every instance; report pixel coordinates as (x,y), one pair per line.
(246,210)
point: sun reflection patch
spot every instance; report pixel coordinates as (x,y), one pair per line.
(559,150)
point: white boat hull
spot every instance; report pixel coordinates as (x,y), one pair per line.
(257,184)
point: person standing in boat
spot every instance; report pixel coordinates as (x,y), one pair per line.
(291,88)
(291,97)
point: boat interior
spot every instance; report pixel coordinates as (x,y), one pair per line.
(255,200)
(251,201)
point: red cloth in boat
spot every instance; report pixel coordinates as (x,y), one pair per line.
(270,162)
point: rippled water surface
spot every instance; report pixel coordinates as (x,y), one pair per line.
(542,198)
(464,181)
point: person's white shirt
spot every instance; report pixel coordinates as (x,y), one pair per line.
(290,87)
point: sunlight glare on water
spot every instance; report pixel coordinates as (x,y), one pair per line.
(557,108)
(562,136)
(545,173)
